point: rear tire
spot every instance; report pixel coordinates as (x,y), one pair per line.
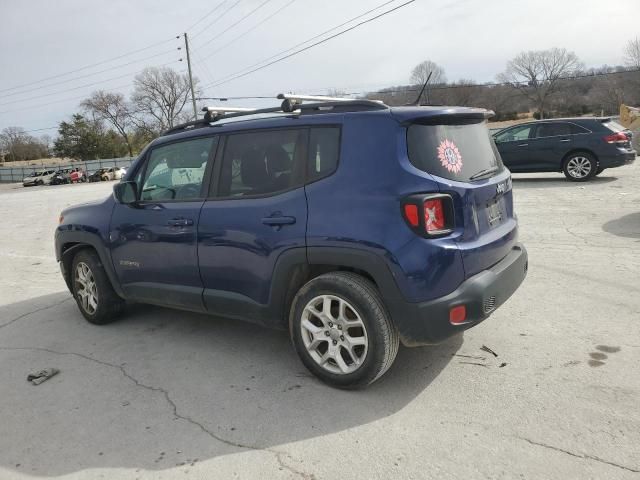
(350,341)
(92,290)
(580,167)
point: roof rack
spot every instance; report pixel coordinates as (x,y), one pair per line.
(291,103)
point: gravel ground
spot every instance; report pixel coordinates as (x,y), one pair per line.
(166,394)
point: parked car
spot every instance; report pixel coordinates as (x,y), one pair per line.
(39,178)
(580,147)
(61,177)
(97,175)
(354,225)
(77,175)
(113,173)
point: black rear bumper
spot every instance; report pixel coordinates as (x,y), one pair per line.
(620,160)
(428,322)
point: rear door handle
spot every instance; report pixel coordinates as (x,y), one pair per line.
(279,221)
(180,222)
(565,140)
(523,145)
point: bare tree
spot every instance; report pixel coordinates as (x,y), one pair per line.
(421,72)
(160,94)
(113,108)
(537,74)
(463,93)
(19,145)
(632,53)
(11,139)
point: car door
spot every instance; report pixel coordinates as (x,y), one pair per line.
(154,240)
(257,217)
(553,140)
(513,145)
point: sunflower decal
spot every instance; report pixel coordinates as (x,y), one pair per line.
(449,156)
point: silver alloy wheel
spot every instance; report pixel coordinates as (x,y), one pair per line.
(579,167)
(334,334)
(88,290)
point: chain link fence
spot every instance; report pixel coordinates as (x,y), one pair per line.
(16,174)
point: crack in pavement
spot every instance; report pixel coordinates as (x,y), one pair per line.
(34,311)
(278,454)
(579,455)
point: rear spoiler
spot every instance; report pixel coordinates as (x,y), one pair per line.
(441,116)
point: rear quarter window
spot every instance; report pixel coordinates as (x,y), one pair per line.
(455,152)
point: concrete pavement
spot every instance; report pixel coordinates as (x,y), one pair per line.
(169,394)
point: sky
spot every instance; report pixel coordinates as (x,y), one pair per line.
(470,39)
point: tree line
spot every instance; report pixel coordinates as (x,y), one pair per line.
(549,83)
(109,125)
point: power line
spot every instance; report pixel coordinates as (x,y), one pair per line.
(88,66)
(246,32)
(40,105)
(89,74)
(213,10)
(82,86)
(342,32)
(411,89)
(314,37)
(243,18)
(217,18)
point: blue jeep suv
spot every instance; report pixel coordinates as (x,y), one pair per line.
(354,225)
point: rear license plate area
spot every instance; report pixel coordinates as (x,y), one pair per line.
(495,212)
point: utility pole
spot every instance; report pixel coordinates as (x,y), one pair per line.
(193,95)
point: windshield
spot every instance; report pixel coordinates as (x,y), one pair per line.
(455,152)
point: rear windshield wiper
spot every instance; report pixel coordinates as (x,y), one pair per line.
(483,173)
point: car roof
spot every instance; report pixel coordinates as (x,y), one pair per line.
(576,120)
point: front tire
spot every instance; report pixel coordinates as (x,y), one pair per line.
(342,331)
(96,299)
(580,167)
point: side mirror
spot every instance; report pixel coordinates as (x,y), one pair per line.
(125,192)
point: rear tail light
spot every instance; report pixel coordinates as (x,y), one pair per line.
(429,215)
(618,137)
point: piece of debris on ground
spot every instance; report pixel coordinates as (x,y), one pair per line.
(42,375)
(484,348)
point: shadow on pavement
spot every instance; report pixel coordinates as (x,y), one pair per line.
(163,388)
(626,226)
(558,181)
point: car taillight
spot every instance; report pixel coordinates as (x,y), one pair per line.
(618,137)
(429,215)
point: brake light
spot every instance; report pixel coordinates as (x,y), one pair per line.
(411,214)
(429,215)
(618,137)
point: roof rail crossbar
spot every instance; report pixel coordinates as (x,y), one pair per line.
(291,103)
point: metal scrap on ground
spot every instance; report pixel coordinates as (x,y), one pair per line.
(42,375)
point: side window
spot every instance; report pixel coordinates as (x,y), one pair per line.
(576,129)
(324,150)
(516,134)
(261,163)
(553,130)
(176,171)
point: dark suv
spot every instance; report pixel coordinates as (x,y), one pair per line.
(353,225)
(580,147)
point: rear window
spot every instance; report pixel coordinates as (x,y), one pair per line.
(455,152)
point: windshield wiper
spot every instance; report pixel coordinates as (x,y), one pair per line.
(483,173)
